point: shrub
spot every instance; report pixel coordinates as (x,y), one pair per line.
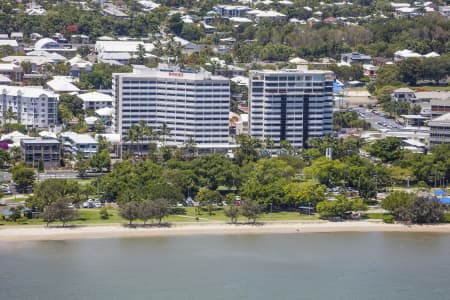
(388,219)
(177,211)
(104,214)
(447,218)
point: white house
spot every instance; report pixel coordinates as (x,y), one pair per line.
(121,46)
(96,100)
(403,95)
(404,54)
(12,43)
(242,125)
(60,85)
(75,143)
(79,65)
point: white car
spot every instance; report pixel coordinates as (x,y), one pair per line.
(86,204)
(97,205)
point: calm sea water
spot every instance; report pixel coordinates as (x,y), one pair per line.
(295,266)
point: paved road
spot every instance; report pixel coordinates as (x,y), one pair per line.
(64,174)
(377,121)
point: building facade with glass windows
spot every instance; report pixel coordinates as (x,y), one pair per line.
(32,107)
(292,105)
(193,104)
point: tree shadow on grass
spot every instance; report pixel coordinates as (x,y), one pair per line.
(251,223)
(151,225)
(66,226)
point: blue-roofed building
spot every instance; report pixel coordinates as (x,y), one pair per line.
(445,200)
(338,87)
(440,192)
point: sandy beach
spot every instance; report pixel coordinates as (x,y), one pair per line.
(41,233)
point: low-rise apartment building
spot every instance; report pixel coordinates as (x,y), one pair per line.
(33,107)
(440,130)
(75,143)
(33,150)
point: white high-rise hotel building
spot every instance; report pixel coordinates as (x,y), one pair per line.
(291,105)
(33,107)
(192,104)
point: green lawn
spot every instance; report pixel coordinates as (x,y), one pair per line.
(11,198)
(92,216)
(84,181)
(375,215)
(218,215)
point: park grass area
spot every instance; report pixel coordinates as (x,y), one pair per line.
(11,198)
(377,216)
(218,215)
(91,216)
(84,181)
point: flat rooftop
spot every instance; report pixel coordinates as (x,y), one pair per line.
(79,138)
(170,72)
(40,141)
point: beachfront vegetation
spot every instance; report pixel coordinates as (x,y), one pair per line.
(342,207)
(251,210)
(397,200)
(23,176)
(232,212)
(59,210)
(295,178)
(405,208)
(52,190)
(188,215)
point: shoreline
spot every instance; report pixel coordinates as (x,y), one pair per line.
(42,233)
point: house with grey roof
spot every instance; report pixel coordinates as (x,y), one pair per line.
(355,57)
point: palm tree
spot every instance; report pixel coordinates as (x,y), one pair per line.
(268,142)
(173,47)
(287,147)
(145,133)
(190,147)
(164,132)
(9,115)
(140,54)
(158,50)
(132,135)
